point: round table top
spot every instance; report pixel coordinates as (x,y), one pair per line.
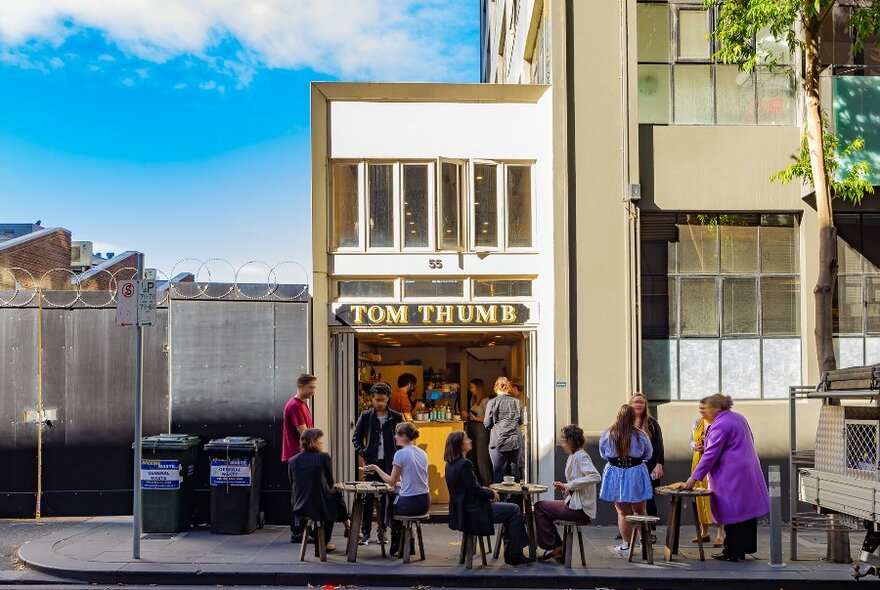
(696,492)
(363,487)
(516,488)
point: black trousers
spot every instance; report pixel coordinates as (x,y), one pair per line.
(404,506)
(514,531)
(370,500)
(741,538)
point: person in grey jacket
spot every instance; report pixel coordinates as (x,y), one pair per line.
(578,491)
(503,418)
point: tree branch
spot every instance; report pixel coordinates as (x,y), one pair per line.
(825,14)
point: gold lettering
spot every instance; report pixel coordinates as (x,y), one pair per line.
(426,311)
(359,313)
(465,318)
(487,315)
(444,314)
(376,314)
(508,314)
(398,314)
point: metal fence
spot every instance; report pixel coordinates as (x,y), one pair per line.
(221,361)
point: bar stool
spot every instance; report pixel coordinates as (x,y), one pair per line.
(316,528)
(410,523)
(468,547)
(499,538)
(568,529)
(643,530)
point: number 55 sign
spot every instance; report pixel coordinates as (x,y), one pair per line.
(136,303)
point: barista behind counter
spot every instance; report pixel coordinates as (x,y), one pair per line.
(401,400)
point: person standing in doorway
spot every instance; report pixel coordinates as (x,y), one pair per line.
(476,430)
(373,441)
(503,418)
(401,401)
(297,418)
(650,426)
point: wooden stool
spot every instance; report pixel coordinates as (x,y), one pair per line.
(410,522)
(468,548)
(317,528)
(643,529)
(568,529)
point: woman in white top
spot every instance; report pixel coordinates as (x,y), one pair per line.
(409,475)
(579,493)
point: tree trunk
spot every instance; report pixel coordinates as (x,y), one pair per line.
(824,290)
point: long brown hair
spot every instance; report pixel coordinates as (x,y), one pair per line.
(646,417)
(621,431)
(454,442)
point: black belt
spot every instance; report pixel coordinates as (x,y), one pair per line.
(626,462)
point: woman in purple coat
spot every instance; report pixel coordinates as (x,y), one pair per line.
(739,492)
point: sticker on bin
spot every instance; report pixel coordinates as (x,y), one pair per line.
(160,474)
(231,472)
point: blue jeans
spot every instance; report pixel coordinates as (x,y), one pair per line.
(514,531)
(505,463)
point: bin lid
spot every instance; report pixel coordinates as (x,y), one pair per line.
(170,441)
(236,443)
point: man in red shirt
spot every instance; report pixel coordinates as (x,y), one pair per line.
(297,418)
(400,401)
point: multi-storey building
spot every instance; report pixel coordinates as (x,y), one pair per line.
(607,194)
(689,272)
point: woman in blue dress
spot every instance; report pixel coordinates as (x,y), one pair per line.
(625,481)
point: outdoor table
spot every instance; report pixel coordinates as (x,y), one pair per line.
(674,523)
(526,490)
(362,489)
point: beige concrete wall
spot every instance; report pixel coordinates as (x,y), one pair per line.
(712,168)
(604,346)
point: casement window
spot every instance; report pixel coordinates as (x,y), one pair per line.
(679,83)
(856,308)
(720,305)
(445,206)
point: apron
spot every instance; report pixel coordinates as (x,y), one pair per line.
(699,437)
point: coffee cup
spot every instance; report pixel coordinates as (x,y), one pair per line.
(508,480)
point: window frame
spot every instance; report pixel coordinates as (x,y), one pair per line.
(475,280)
(465,289)
(464,199)
(500,207)
(396,200)
(432,205)
(334,290)
(532,206)
(331,213)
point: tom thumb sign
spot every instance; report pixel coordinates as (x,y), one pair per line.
(443,314)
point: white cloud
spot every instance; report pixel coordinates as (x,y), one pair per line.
(180,86)
(128,82)
(352,39)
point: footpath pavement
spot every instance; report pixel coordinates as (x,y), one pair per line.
(98,550)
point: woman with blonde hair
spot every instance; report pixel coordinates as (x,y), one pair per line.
(739,491)
(503,418)
(625,480)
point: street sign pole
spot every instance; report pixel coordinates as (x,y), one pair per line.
(138,425)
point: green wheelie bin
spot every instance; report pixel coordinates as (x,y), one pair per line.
(168,464)
(236,470)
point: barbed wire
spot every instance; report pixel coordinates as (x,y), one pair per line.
(63,288)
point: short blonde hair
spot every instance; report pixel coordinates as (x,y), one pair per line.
(502,384)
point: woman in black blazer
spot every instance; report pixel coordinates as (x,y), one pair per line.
(474,509)
(311,476)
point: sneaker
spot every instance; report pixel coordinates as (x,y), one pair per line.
(364,540)
(622,548)
(329,547)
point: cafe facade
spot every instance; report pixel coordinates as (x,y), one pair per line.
(433,255)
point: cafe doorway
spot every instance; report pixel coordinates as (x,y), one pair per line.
(443,364)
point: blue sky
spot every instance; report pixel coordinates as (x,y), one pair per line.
(181,127)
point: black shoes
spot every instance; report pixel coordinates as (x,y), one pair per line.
(725,557)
